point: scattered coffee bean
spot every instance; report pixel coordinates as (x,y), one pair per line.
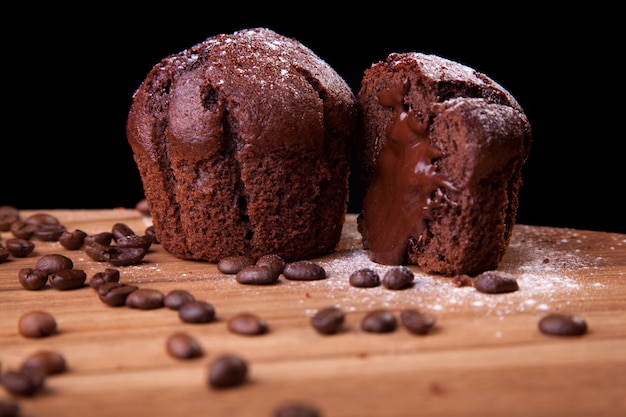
(151,234)
(24,382)
(120,230)
(20,248)
(42,219)
(416,321)
(379,321)
(68,279)
(227,371)
(103,238)
(233,264)
(142,207)
(114,294)
(8,215)
(4,253)
(328,320)
(145,299)
(304,271)
(134,241)
(196,312)
(49,233)
(54,262)
(494,282)
(247,324)
(50,361)
(364,278)
(176,298)
(32,279)
(37,323)
(275,262)
(115,255)
(108,275)
(256,275)
(562,324)
(398,278)
(72,240)
(22,230)
(296,409)
(181,345)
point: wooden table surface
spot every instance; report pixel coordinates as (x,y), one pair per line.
(485,356)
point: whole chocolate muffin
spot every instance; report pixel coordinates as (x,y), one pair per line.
(442,147)
(243,145)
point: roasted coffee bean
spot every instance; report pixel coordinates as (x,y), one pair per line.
(227,371)
(495,282)
(23,382)
(256,275)
(42,219)
(72,240)
(103,238)
(416,321)
(181,345)
(20,248)
(115,293)
(49,232)
(304,271)
(328,320)
(275,262)
(151,234)
(364,278)
(8,215)
(54,262)
(398,278)
(108,275)
(296,409)
(562,324)
(120,230)
(68,279)
(9,408)
(379,321)
(176,298)
(145,299)
(142,207)
(196,312)
(52,362)
(234,264)
(134,241)
(115,255)
(37,323)
(22,230)
(247,324)
(32,279)
(4,253)
(96,250)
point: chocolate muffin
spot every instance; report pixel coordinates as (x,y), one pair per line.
(243,145)
(442,147)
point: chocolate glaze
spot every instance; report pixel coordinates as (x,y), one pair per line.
(406,187)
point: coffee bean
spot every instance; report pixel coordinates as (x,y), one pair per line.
(145,299)
(275,262)
(32,279)
(296,409)
(114,294)
(328,320)
(54,262)
(115,255)
(256,275)
(37,324)
(9,408)
(4,253)
(22,230)
(176,298)
(181,345)
(72,240)
(49,233)
(42,219)
(103,238)
(364,278)
(379,321)
(151,234)
(68,279)
(196,312)
(20,248)
(495,282)
(24,382)
(142,207)
(108,275)
(120,230)
(227,371)
(304,271)
(416,321)
(562,324)
(247,324)
(50,361)
(134,241)
(398,278)
(8,215)
(234,264)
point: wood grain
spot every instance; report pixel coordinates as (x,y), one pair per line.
(485,356)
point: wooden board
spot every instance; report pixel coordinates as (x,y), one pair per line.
(485,356)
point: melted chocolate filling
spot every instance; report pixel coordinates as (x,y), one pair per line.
(406,188)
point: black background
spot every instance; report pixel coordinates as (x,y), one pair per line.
(70,75)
